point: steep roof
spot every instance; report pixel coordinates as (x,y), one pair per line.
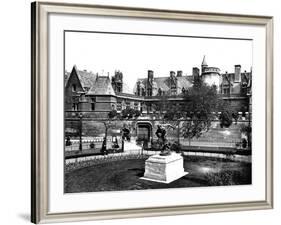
(204,62)
(127,89)
(164,82)
(185,82)
(87,78)
(101,86)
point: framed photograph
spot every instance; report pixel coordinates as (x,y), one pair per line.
(147,112)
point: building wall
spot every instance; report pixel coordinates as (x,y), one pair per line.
(238,104)
(70,94)
(104,103)
(212,79)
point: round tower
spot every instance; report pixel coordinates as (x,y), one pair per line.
(210,75)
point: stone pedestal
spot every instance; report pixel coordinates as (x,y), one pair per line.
(164,169)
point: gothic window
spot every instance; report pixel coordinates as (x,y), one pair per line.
(226,91)
(160,92)
(148,107)
(136,106)
(74,87)
(244,88)
(128,105)
(74,107)
(173,91)
(119,88)
(119,106)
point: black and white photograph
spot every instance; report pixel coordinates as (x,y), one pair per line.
(147,111)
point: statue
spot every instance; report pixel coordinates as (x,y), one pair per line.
(126,136)
(162,141)
(104,151)
(68,141)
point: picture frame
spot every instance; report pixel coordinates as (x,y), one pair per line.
(41,104)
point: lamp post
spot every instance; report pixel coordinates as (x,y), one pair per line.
(178,133)
(80,115)
(107,125)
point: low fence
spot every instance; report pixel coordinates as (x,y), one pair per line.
(233,157)
(81,162)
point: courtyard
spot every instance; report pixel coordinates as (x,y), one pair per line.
(125,174)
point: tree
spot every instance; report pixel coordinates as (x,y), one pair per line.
(137,113)
(129,113)
(197,109)
(225,118)
(201,102)
(247,129)
(112,114)
(227,114)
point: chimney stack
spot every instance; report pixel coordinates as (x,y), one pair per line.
(195,72)
(179,73)
(237,76)
(172,73)
(150,74)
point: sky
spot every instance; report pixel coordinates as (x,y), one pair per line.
(135,54)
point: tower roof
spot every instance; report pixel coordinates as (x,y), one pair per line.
(204,63)
(102,86)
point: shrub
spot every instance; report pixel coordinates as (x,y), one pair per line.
(225,119)
(68,141)
(92,145)
(112,114)
(175,147)
(137,113)
(244,143)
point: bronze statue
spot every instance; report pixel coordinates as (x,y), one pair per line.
(162,141)
(126,134)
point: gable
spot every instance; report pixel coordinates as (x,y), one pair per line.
(73,79)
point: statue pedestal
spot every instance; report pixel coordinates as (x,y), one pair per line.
(164,169)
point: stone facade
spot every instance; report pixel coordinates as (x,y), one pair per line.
(97,95)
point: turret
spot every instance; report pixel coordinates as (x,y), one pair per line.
(204,64)
(210,75)
(150,80)
(117,82)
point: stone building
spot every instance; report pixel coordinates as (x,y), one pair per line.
(97,95)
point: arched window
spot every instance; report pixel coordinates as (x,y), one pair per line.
(74,87)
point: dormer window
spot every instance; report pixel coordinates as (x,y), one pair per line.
(74,87)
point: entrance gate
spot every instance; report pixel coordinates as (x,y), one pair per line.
(144,133)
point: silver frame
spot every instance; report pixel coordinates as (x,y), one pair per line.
(39,83)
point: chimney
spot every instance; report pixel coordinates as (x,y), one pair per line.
(172,73)
(150,73)
(150,76)
(179,73)
(237,76)
(195,72)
